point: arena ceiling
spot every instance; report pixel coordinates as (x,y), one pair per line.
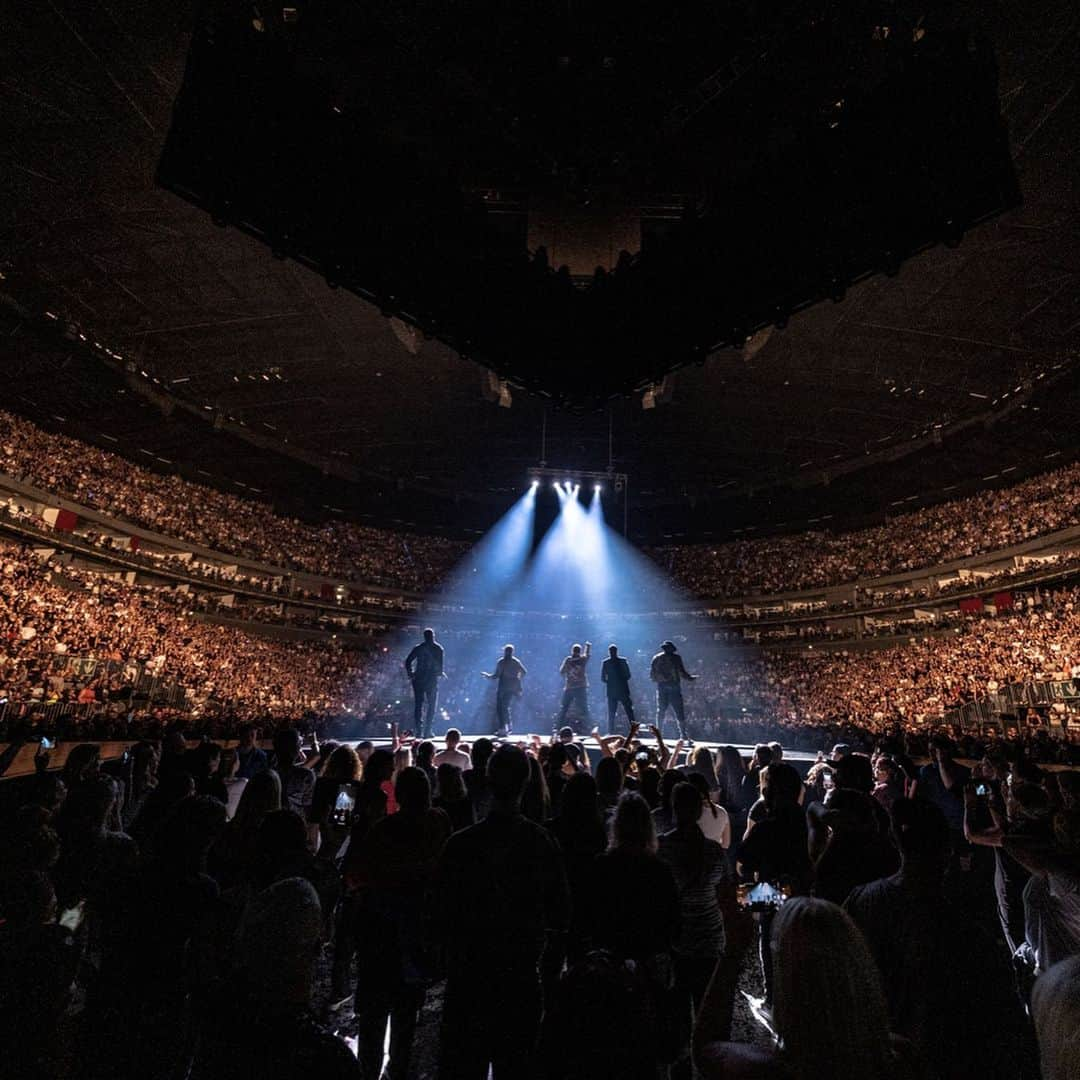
(85,95)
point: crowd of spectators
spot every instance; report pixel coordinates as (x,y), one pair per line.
(564,916)
(72,636)
(989,521)
(346,551)
(119,633)
(913,684)
(203,515)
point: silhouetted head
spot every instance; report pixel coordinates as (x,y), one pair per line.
(668,646)
(412,789)
(429,634)
(287,744)
(508,651)
(575,650)
(613,650)
(508,773)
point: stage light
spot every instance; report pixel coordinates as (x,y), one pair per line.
(597,488)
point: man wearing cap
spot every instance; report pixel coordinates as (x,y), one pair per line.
(667,671)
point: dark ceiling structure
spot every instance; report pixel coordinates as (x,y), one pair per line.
(254,360)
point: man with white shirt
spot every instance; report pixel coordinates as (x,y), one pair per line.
(452,755)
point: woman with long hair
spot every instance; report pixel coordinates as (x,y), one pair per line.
(334,799)
(700,870)
(777,849)
(663,815)
(233,852)
(424,759)
(1055,1008)
(142,779)
(630,878)
(731,776)
(828,1007)
(536,802)
(703,764)
(714,820)
(581,835)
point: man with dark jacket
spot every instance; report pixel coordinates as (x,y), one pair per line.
(500,890)
(615,675)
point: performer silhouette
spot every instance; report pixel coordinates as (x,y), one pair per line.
(615,675)
(424,667)
(508,673)
(667,671)
(576,685)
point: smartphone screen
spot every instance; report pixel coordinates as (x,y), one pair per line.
(46,744)
(71,918)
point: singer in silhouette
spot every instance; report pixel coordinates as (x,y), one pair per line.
(508,673)
(615,675)
(424,667)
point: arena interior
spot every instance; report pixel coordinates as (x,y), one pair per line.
(539,543)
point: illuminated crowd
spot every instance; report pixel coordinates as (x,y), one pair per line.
(51,612)
(203,515)
(248,527)
(989,521)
